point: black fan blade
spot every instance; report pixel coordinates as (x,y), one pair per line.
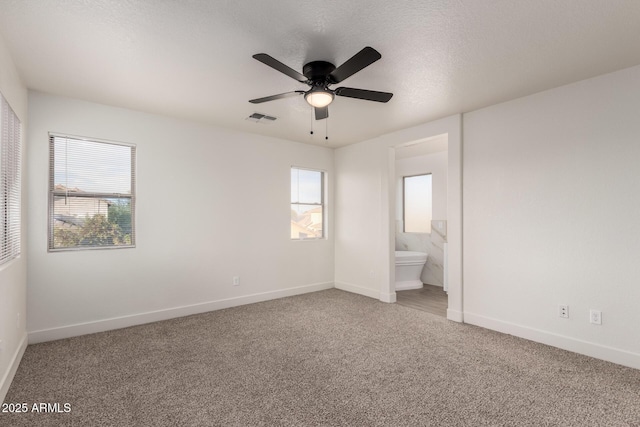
(322,112)
(357,62)
(277,65)
(274,97)
(369,95)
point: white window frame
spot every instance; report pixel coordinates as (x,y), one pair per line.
(10,182)
(323,202)
(53,193)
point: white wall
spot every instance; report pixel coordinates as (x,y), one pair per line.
(13,275)
(365,212)
(551,215)
(211,204)
(358,215)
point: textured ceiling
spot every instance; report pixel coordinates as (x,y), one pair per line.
(192,58)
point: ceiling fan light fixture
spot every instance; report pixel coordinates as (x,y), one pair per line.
(319,98)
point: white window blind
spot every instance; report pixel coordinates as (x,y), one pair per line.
(91,194)
(10,161)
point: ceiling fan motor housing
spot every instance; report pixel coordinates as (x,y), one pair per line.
(318,72)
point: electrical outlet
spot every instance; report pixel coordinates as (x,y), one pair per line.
(372,274)
(595,317)
(236,280)
(563,311)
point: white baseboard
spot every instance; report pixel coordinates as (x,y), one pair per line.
(407,285)
(356,289)
(455,315)
(389,297)
(371,293)
(610,354)
(13,367)
(169,313)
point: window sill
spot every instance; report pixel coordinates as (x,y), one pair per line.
(90,248)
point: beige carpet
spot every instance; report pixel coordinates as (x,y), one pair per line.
(327,358)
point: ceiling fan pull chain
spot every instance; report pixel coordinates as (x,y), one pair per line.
(311,122)
(326,129)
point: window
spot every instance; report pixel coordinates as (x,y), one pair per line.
(9,183)
(307,204)
(91,194)
(417,203)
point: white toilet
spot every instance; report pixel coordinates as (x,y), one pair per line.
(409,266)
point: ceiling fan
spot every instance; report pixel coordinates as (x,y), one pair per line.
(319,75)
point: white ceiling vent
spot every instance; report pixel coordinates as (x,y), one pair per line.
(261,118)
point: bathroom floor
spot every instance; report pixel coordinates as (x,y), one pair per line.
(432,299)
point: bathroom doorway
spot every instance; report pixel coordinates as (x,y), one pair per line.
(421,169)
(432,299)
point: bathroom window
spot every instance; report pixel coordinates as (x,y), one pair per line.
(417,203)
(91,194)
(307,204)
